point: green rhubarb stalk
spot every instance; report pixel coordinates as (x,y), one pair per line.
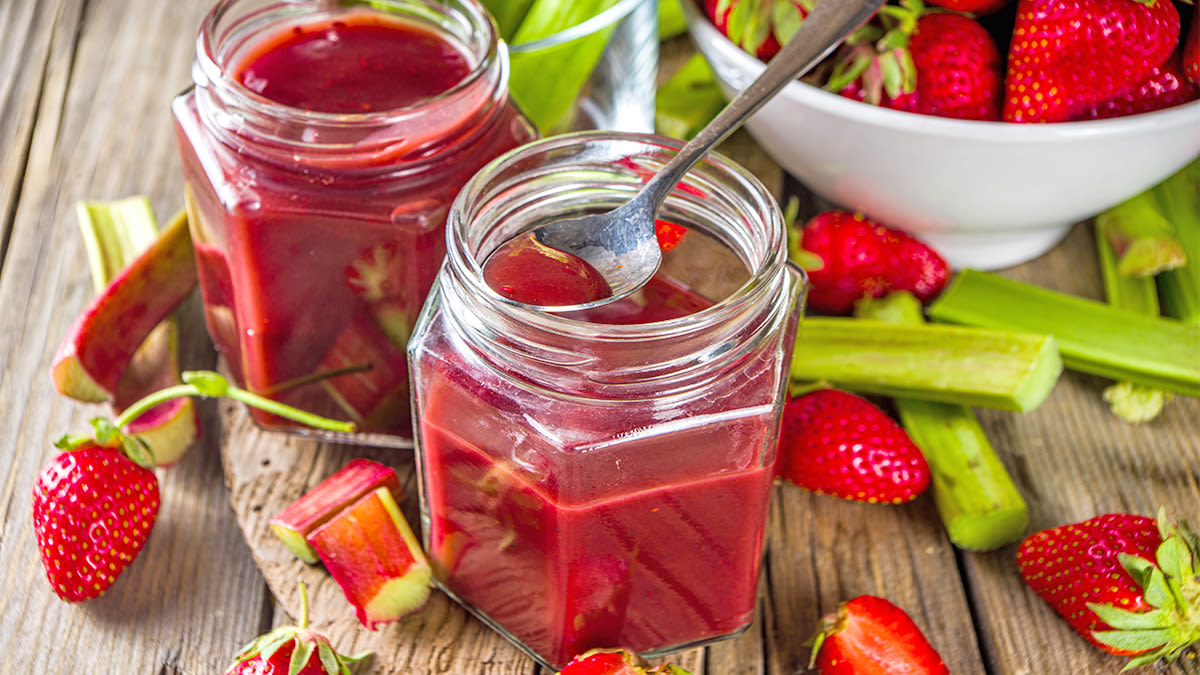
(547,82)
(1001,369)
(1134,403)
(688,101)
(671,20)
(1141,236)
(507,14)
(975,496)
(114,233)
(1094,338)
(1179,197)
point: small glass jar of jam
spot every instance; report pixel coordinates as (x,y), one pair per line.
(600,477)
(322,145)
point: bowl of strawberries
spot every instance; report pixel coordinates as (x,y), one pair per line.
(985,127)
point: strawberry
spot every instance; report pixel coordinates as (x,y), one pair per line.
(669,234)
(849,256)
(292,650)
(1191,50)
(1128,584)
(835,443)
(934,63)
(1167,87)
(760,27)
(615,662)
(93,508)
(869,635)
(1067,56)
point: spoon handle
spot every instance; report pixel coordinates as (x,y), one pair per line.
(829,22)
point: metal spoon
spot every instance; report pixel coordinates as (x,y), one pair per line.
(621,243)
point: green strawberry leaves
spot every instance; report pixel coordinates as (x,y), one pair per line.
(1172,586)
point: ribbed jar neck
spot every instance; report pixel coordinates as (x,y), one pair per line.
(260,126)
(596,171)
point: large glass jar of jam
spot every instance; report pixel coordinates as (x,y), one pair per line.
(322,145)
(600,477)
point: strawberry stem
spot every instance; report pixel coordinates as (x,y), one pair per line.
(208,384)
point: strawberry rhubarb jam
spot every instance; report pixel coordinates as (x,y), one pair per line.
(321,148)
(601,477)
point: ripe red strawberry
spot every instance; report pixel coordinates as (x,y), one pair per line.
(669,234)
(848,256)
(1191,50)
(292,650)
(93,509)
(1065,57)
(758,26)
(1167,87)
(933,63)
(1126,583)
(869,635)
(615,662)
(839,444)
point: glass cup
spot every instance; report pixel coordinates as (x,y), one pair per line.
(318,233)
(598,74)
(602,479)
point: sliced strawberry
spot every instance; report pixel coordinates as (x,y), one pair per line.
(869,635)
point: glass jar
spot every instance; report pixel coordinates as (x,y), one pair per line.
(602,479)
(319,226)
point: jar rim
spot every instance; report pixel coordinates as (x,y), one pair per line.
(487,53)
(766,269)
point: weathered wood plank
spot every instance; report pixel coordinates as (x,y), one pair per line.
(103,131)
(1072,460)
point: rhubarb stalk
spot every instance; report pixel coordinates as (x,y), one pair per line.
(1134,403)
(980,506)
(1141,236)
(688,101)
(1179,197)
(1093,337)
(1001,369)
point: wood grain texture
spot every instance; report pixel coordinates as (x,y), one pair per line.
(100,75)
(84,90)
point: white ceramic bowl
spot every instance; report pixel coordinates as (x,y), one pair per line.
(985,194)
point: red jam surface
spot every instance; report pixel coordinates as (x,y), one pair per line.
(313,271)
(363,63)
(528,271)
(569,544)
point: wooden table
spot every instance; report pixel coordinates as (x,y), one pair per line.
(84,87)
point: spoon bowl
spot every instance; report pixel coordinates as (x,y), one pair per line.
(621,244)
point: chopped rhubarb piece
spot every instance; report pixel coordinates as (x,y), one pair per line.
(103,340)
(115,233)
(320,504)
(373,555)
(368,392)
